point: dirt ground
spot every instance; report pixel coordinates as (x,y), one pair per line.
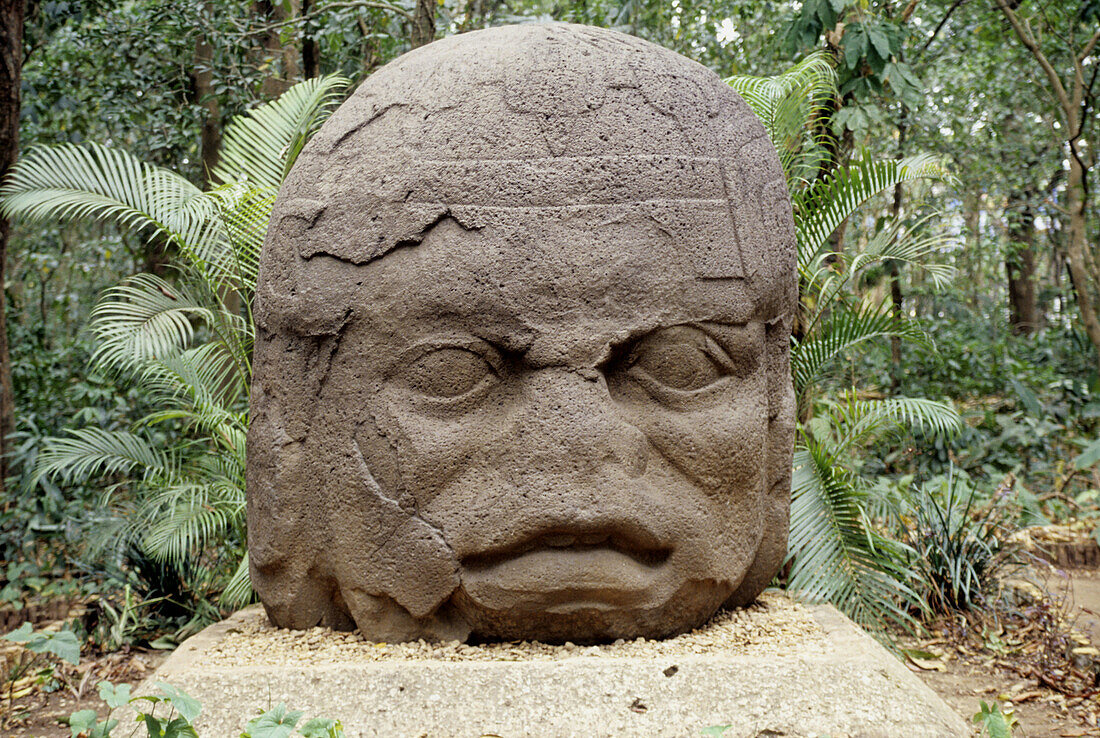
(962,678)
(46,715)
(1042,713)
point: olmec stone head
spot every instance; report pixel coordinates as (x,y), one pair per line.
(521,367)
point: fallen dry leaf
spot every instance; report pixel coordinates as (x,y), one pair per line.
(929,664)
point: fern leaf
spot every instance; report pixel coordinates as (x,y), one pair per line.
(829,201)
(261,146)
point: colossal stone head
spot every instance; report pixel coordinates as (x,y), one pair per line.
(521,366)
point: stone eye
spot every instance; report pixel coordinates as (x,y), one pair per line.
(681,358)
(449,372)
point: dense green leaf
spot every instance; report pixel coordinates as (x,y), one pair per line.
(277,722)
(114,695)
(321,728)
(63,643)
(186,705)
(82,723)
(1089,457)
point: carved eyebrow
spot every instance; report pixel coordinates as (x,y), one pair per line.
(728,342)
(736,338)
(425,346)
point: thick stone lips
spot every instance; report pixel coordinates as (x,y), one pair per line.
(566,569)
(628,538)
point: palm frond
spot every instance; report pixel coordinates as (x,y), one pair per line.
(831,274)
(202,378)
(789,105)
(842,328)
(835,555)
(910,244)
(92,451)
(246,224)
(857,420)
(829,201)
(184,505)
(145,318)
(261,145)
(183,519)
(238,591)
(225,252)
(92,181)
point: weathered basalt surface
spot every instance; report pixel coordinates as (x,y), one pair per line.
(521,366)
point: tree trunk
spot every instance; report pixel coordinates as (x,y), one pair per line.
(423,24)
(893,267)
(275,14)
(203,91)
(972,254)
(1075,101)
(11,67)
(311,57)
(1023,305)
(1076,243)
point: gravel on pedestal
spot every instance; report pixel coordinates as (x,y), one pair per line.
(773,625)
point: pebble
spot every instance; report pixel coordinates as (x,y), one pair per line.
(774,624)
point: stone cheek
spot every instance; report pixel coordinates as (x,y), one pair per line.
(522,357)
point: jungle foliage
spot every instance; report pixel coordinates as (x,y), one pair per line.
(943,345)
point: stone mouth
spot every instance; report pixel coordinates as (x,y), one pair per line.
(634,542)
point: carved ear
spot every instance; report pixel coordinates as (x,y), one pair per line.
(284,519)
(777,350)
(778,454)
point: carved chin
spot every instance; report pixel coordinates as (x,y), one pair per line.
(581,594)
(593,619)
(598,616)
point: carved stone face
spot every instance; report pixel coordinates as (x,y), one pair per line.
(515,391)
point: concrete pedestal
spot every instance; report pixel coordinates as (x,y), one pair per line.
(832,680)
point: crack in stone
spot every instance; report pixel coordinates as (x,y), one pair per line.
(376,488)
(364,123)
(408,242)
(417,239)
(335,339)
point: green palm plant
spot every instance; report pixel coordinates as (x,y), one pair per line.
(186,341)
(791,106)
(836,553)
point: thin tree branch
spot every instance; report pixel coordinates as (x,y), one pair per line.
(941,24)
(1052,28)
(326,8)
(1028,40)
(1089,46)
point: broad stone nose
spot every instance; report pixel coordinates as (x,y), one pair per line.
(568,421)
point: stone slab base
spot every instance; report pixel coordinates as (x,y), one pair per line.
(842,683)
